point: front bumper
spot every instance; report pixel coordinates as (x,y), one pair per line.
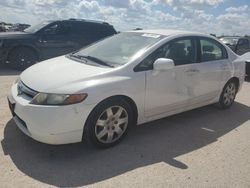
(49,124)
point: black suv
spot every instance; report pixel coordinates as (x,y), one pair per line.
(239,45)
(50,39)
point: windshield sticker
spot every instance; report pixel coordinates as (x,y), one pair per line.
(151,35)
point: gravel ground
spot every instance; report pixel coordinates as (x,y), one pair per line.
(206,147)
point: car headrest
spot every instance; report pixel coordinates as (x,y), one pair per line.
(207,48)
(178,46)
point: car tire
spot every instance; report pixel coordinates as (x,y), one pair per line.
(21,58)
(108,123)
(228,95)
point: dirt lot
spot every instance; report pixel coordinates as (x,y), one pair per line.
(206,147)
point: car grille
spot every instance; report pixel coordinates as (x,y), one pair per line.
(22,89)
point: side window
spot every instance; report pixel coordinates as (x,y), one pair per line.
(84,29)
(65,29)
(211,50)
(181,51)
(52,29)
(243,43)
(94,30)
(57,29)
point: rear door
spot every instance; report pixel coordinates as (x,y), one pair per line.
(212,71)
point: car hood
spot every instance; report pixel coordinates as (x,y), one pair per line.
(14,35)
(51,75)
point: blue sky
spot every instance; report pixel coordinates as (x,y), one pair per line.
(209,16)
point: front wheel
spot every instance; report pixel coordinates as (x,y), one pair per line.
(228,95)
(108,123)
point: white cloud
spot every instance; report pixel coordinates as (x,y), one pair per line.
(192,3)
(129,14)
(237,9)
(235,22)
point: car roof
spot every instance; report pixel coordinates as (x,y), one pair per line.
(168,32)
(231,37)
(80,20)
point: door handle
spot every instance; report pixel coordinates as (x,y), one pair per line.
(192,70)
(42,41)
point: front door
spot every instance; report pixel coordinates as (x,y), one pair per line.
(170,90)
(55,40)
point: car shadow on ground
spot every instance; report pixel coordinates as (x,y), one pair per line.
(159,141)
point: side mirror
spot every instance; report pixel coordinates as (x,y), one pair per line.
(162,64)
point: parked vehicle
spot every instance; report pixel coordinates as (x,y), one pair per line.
(19,27)
(239,45)
(50,39)
(131,78)
(246,57)
(2,28)
(248,68)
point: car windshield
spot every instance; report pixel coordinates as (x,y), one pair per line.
(230,41)
(121,48)
(35,28)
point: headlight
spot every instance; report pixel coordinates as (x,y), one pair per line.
(57,99)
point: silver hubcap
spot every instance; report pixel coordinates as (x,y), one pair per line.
(111,124)
(229,94)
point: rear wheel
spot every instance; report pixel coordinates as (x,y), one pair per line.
(108,123)
(228,95)
(21,58)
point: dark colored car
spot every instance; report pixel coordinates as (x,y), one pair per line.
(2,28)
(239,45)
(50,39)
(248,68)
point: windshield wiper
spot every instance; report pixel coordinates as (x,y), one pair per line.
(97,60)
(78,57)
(94,59)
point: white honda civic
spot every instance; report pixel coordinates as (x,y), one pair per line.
(131,78)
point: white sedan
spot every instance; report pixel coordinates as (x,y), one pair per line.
(131,78)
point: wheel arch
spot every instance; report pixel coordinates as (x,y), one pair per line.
(132,103)
(235,80)
(125,98)
(129,100)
